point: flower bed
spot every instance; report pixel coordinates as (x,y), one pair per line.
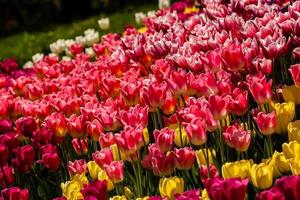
(202,102)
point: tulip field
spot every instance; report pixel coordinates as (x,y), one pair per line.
(201,101)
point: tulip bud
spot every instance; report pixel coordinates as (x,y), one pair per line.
(77,167)
(293,129)
(80,146)
(201,156)
(185,158)
(4,155)
(295,72)
(272,194)
(5,126)
(181,138)
(25,157)
(290,93)
(103,157)
(8,177)
(115,171)
(26,126)
(218,106)
(260,89)
(57,123)
(239,169)
(285,113)
(237,138)
(169,187)
(164,139)
(76,126)
(196,131)
(15,193)
(95,190)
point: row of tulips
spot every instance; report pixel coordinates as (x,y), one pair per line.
(201,103)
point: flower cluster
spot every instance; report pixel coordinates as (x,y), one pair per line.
(200,103)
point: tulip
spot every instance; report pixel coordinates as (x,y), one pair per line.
(26,126)
(290,93)
(218,106)
(76,126)
(115,171)
(296,53)
(154,95)
(293,129)
(102,176)
(4,155)
(185,158)
(178,82)
(96,190)
(260,89)
(271,194)
(200,156)
(266,122)
(191,194)
(8,177)
(71,189)
(77,167)
(50,157)
(207,173)
(262,175)
(225,189)
(5,126)
(80,146)
(295,165)
(169,106)
(237,138)
(10,140)
(118,197)
(95,129)
(15,193)
(196,132)
(239,169)
(103,157)
(279,163)
(233,57)
(104,23)
(181,138)
(130,140)
(169,187)
(285,113)
(289,185)
(25,157)
(294,70)
(94,169)
(57,123)
(238,104)
(291,149)
(131,92)
(109,120)
(135,116)
(164,139)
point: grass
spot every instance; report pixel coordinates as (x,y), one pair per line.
(25,44)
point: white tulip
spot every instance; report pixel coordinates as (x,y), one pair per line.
(28,65)
(139,17)
(104,23)
(163,4)
(151,13)
(90,52)
(37,57)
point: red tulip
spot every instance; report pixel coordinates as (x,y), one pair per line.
(109,119)
(177,82)
(26,126)
(164,138)
(289,186)
(5,126)
(15,193)
(271,194)
(295,72)
(169,107)
(42,137)
(106,140)
(95,190)
(76,49)
(237,138)
(115,171)
(94,129)
(196,131)
(260,89)
(25,157)
(130,140)
(50,158)
(218,106)
(296,53)
(233,57)
(8,177)
(103,157)
(266,122)
(10,140)
(226,189)
(76,126)
(57,123)
(185,158)
(80,146)
(77,167)
(111,85)
(4,155)
(238,104)
(204,84)
(213,172)
(154,95)
(131,92)
(135,116)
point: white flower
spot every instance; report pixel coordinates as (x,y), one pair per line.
(58,46)
(89,31)
(66,58)
(163,4)
(37,57)
(28,65)
(80,40)
(151,13)
(90,51)
(91,38)
(104,23)
(139,17)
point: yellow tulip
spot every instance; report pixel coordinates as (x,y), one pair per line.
(71,189)
(239,169)
(103,176)
(181,140)
(294,131)
(189,10)
(94,169)
(142,29)
(204,195)
(262,175)
(279,163)
(291,149)
(200,156)
(117,154)
(295,165)
(118,197)
(144,198)
(168,187)
(128,193)
(285,113)
(146,135)
(291,93)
